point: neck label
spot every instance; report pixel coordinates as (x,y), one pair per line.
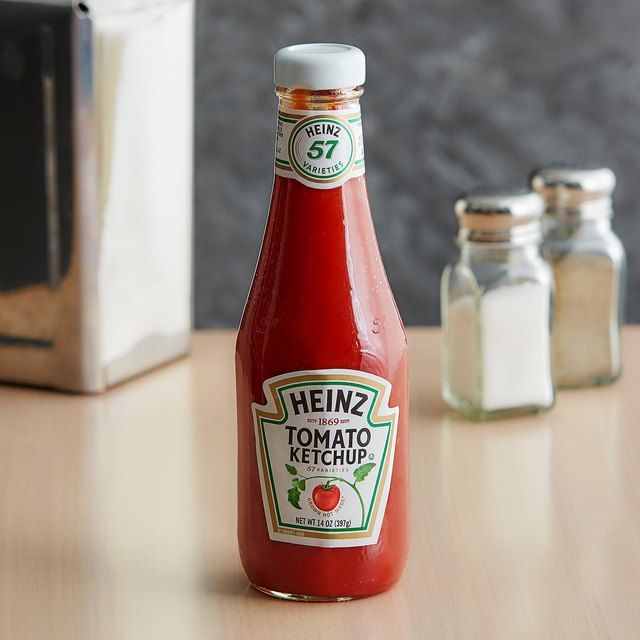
(321,149)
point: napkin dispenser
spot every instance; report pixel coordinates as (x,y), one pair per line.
(96,165)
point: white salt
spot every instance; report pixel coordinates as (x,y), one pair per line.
(499,349)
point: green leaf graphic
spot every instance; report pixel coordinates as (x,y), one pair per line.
(294,497)
(302,485)
(292,470)
(363,471)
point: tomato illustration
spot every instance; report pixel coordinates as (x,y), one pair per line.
(326,497)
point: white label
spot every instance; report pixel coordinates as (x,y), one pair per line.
(321,149)
(325,443)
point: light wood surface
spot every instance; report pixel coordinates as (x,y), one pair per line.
(117,516)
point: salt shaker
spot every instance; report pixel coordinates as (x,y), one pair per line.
(96,192)
(589,268)
(496,306)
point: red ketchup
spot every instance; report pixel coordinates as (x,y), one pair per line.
(321,358)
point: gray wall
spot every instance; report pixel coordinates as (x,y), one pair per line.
(458,92)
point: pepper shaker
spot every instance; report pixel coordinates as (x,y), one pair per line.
(589,268)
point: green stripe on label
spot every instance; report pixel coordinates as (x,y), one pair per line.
(288,117)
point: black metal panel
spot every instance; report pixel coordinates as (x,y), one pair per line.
(36,197)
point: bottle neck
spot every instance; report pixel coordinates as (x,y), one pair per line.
(304,99)
(319,250)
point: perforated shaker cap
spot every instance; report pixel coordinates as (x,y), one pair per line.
(319,66)
(499,214)
(574,190)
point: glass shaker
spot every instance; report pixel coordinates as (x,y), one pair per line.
(589,267)
(496,306)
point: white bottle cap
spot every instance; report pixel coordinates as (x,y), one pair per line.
(319,66)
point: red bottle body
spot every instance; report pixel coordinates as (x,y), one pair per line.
(320,300)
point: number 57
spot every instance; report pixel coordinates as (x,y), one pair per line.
(316,149)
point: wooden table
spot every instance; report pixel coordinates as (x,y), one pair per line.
(117,516)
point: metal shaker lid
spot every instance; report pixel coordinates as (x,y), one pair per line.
(574,189)
(490,214)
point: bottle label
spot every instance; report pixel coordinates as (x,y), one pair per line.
(325,442)
(321,149)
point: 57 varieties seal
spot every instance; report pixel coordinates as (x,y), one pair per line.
(321,149)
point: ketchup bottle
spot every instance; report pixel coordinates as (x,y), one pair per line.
(321,357)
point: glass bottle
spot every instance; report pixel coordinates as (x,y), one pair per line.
(589,268)
(321,358)
(496,304)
